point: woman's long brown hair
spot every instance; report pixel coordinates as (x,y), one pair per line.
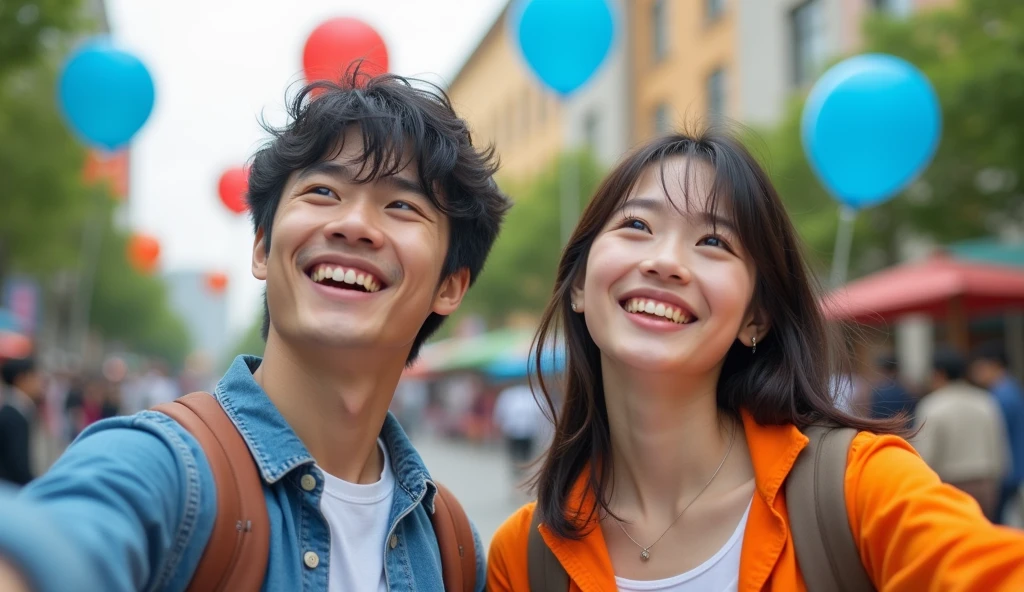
(786,382)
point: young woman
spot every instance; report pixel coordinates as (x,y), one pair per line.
(696,355)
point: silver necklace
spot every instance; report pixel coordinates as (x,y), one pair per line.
(645,552)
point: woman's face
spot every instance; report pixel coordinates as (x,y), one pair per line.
(667,288)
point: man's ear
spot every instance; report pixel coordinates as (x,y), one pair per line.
(259,256)
(450,293)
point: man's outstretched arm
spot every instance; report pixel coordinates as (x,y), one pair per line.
(128,507)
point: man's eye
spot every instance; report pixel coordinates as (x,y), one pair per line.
(324,191)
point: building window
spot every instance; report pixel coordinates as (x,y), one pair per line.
(659,29)
(807,23)
(898,8)
(716,95)
(662,119)
(714,8)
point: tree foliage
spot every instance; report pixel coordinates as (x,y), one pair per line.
(520,271)
(971,52)
(47,209)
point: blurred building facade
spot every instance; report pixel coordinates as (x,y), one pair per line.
(203,310)
(673,63)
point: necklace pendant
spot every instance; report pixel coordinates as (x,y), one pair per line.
(644,555)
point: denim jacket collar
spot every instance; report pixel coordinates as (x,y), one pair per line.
(278,450)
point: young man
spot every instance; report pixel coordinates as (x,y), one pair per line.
(989,370)
(961,433)
(373,214)
(22,392)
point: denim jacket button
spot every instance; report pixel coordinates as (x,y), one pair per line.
(394,541)
(311,559)
(308,482)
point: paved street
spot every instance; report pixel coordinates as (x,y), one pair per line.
(479,476)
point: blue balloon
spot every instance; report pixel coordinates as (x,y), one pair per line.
(564,41)
(106,94)
(870,126)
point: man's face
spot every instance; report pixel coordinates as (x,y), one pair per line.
(984,373)
(32,384)
(355,265)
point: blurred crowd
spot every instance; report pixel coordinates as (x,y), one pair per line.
(966,421)
(42,411)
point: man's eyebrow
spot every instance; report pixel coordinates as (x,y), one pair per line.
(328,167)
(347,173)
(403,184)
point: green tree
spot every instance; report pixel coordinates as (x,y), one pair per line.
(47,210)
(520,271)
(971,53)
(28,29)
(131,308)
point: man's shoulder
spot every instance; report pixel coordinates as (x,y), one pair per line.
(10,416)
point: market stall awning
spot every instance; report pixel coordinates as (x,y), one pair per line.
(939,287)
(469,353)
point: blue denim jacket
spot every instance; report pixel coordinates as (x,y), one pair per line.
(131,504)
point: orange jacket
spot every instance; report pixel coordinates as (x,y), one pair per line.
(914,533)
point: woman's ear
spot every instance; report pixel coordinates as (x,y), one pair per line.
(755,327)
(576,292)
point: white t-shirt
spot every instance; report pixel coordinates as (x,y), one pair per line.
(358,518)
(518,415)
(721,573)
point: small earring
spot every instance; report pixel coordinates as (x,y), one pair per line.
(574,307)
(753,344)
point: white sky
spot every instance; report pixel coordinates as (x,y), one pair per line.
(219,64)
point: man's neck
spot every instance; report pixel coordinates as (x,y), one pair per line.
(22,402)
(336,403)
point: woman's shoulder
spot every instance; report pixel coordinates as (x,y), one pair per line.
(507,558)
(515,530)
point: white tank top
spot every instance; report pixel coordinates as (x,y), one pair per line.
(720,573)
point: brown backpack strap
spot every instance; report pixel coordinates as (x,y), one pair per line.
(235,558)
(545,571)
(455,541)
(816,501)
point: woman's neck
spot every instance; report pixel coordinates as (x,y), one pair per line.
(668,438)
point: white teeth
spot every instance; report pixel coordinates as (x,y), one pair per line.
(660,309)
(341,275)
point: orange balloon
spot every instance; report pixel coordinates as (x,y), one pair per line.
(216,282)
(143,252)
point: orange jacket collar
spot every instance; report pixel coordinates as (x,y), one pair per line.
(773,450)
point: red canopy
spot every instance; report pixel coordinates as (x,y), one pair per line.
(939,287)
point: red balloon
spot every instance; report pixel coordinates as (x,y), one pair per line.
(143,252)
(216,282)
(336,43)
(233,186)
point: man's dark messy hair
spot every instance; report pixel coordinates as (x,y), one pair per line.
(400,119)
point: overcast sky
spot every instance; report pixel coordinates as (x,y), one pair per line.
(219,64)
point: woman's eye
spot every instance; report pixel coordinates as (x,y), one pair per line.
(636,224)
(712,241)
